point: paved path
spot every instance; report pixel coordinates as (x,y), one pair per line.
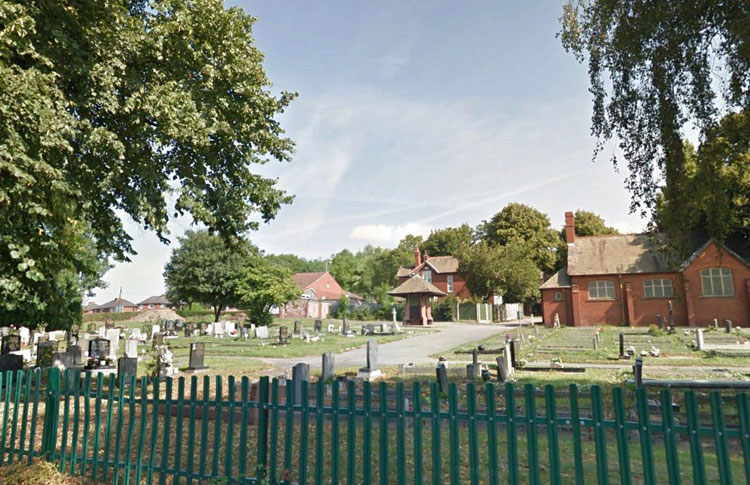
(415,349)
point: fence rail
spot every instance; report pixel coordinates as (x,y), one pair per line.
(188,430)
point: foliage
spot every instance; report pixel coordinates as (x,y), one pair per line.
(586,224)
(263,286)
(653,69)
(141,109)
(504,270)
(448,241)
(205,269)
(346,268)
(525,228)
(296,264)
(342,309)
(444,309)
(655,331)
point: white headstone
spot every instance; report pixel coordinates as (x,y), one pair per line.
(230,327)
(261,332)
(699,344)
(210,329)
(25,335)
(154,330)
(113,335)
(219,329)
(131,348)
(57,335)
(135,333)
(102,332)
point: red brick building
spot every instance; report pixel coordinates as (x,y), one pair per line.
(629,279)
(118,305)
(157,302)
(319,291)
(440,271)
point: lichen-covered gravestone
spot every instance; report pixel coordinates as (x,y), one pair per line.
(44,354)
(11,343)
(283,335)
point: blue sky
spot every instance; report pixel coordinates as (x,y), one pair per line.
(413,116)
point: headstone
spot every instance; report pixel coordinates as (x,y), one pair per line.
(12,362)
(318,325)
(244,332)
(76,354)
(11,343)
(328,366)
(622,345)
(171,328)
(508,356)
(179,324)
(61,360)
(44,354)
(189,329)
(660,320)
(728,326)
(154,330)
(4,331)
(131,348)
(442,377)
(699,344)
(158,339)
(371,370)
(670,311)
(512,352)
(716,323)
(261,332)
(164,361)
(472,371)
(300,374)
(297,327)
(502,369)
(25,335)
(203,330)
(92,327)
(283,335)
(230,327)
(197,356)
(638,372)
(393,313)
(108,324)
(345,327)
(556,323)
(475,358)
(113,335)
(331,328)
(595,343)
(219,329)
(99,349)
(126,368)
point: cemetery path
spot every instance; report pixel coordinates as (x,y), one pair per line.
(416,349)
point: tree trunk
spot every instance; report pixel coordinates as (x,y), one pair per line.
(217,312)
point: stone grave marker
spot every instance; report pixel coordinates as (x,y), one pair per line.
(131,348)
(99,349)
(12,362)
(108,324)
(297,327)
(158,339)
(699,343)
(76,354)
(331,328)
(44,354)
(509,357)
(4,331)
(622,345)
(25,335)
(197,356)
(113,335)
(203,330)
(345,328)
(244,332)
(318,325)
(442,377)
(371,370)
(61,360)
(261,332)
(502,369)
(670,312)
(220,328)
(171,328)
(328,366)
(189,329)
(283,335)
(300,374)
(728,326)
(126,368)
(179,324)
(11,343)
(154,330)
(230,327)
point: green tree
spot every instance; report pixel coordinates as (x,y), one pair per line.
(653,68)
(342,310)
(590,224)
(504,270)
(263,286)
(523,227)
(206,270)
(346,268)
(387,262)
(147,109)
(296,264)
(448,241)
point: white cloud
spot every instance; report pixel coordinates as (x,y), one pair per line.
(388,234)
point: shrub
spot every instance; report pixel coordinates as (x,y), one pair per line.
(444,310)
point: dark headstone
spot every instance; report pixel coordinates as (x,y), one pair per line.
(158,339)
(622,345)
(318,325)
(99,348)
(345,327)
(472,371)
(475,358)
(127,367)
(62,360)
(372,355)
(283,335)
(442,377)
(197,356)
(11,343)
(300,374)
(513,354)
(189,327)
(671,313)
(43,338)
(638,372)
(297,327)
(328,366)
(76,354)
(11,362)
(44,354)
(728,326)
(245,332)
(660,320)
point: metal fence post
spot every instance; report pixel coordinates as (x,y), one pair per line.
(51,411)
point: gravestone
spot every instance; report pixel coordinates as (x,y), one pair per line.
(164,359)
(300,374)
(179,324)
(61,360)
(595,343)
(297,327)
(328,366)
(638,372)
(12,362)
(158,339)
(510,360)
(261,332)
(716,323)
(99,349)
(4,331)
(622,345)
(660,321)
(188,330)
(244,332)
(670,311)
(11,343)
(318,325)
(699,343)
(171,328)
(556,323)
(203,329)
(92,327)
(393,313)
(108,324)
(154,330)
(25,335)
(345,328)
(113,335)
(44,354)
(230,327)
(472,371)
(512,354)
(131,348)
(371,370)
(475,357)
(728,326)
(502,369)
(219,329)
(442,377)
(197,356)
(283,335)
(76,354)
(126,368)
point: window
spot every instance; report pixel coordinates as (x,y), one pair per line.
(658,288)
(450,283)
(601,290)
(427,275)
(558,296)
(717,282)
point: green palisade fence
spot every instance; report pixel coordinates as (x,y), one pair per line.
(191,429)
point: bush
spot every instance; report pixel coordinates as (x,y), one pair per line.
(444,310)
(655,331)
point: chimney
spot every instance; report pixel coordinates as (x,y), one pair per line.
(417,256)
(570,228)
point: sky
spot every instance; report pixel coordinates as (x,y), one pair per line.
(413,116)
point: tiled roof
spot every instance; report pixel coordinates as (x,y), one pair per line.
(304,280)
(561,279)
(441,264)
(403,272)
(156,300)
(115,303)
(416,285)
(618,254)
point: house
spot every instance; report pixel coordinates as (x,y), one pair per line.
(118,305)
(629,279)
(155,303)
(89,308)
(319,291)
(417,292)
(440,271)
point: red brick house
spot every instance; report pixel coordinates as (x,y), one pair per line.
(319,290)
(628,280)
(440,271)
(157,302)
(118,305)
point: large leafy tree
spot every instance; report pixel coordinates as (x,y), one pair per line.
(263,286)
(448,241)
(655,68)
(504,270)
(526,228)
(137,108)
(346,268)
(205,269)
(296,264)
(591,224)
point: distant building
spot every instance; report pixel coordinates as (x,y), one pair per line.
(90,307)
(629,280)
(155,303)
(118,305)
(440,271)
(319,291)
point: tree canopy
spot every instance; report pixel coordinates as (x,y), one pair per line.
(653,69)
(504,270)
(262,286)
(148,109)
(448,241)
(591,224)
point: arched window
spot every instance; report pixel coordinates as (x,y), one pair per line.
(717,282)
(601,290)
(658,288)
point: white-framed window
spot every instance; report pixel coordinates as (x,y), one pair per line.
(558,296)
(601,290)
(427,275)
(150,306)
(658,288)
(717,282)
(450,283)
